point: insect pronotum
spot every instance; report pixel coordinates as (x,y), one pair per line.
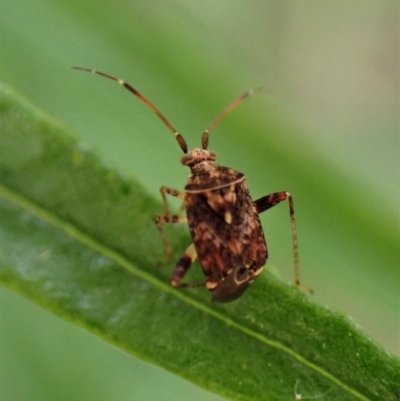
(223,220)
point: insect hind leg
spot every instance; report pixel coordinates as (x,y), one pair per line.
(268,201)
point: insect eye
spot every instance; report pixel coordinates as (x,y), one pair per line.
(213,155)
(186,159)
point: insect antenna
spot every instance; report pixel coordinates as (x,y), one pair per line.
(178,136)
(235,103)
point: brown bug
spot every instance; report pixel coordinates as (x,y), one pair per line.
(223,219)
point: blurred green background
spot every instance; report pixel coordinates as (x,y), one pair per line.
(327,131)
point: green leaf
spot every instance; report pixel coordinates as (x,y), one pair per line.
(78,238)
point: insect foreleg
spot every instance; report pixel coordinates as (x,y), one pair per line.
(167,218)
(169,191)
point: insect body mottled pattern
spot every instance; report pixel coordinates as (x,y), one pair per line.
(223,219)
(225,229)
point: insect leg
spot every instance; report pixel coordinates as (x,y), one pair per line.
(268,201)
(168,218)
(182,267)
(173,192)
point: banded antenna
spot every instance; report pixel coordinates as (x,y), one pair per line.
(178,136)
(235,103)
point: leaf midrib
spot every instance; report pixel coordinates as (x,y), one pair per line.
(122,261)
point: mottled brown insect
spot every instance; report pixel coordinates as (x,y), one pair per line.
(223,219)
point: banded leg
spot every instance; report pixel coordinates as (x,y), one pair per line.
(268,201)
(182,267)
(173,192)
(168,218)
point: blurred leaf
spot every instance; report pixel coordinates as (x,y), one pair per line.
(79,239)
